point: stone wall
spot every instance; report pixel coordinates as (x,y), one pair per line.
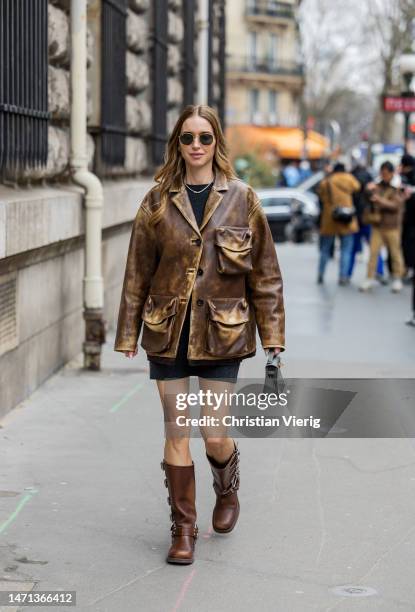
(42,257)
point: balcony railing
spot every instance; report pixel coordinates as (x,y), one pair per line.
(270,9)
(268,65)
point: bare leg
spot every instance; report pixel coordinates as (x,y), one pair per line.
(218,444)
(176,446)
(223,456)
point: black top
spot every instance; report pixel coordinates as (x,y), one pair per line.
(198,200)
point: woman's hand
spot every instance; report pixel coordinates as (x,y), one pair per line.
(131,354)
(274,350)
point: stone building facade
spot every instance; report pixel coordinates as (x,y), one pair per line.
(264,66)
(42,224)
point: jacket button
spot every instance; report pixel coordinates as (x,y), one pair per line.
(200,302)
(198,242)
(199,271)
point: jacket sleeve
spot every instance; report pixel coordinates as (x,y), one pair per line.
(355,185)
(390,201)
(139,270)
(265,286)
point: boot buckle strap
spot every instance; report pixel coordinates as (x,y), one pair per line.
(233,485)
(185,530)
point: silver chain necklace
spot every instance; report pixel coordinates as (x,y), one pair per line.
(201,190)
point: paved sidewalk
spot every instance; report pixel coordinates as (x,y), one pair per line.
(83,505)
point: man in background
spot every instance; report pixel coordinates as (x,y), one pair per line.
(387,202)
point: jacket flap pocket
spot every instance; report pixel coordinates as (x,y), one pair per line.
(228,311)
(234,238)
(158,308)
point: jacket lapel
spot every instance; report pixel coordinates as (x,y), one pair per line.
(213,201)
(181,200)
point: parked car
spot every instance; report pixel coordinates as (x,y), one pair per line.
(290,213)
(311,183)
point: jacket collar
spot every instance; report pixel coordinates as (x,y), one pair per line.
(181,199)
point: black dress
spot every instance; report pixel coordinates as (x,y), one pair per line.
(225,369)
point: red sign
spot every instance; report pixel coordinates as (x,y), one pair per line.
(399,104)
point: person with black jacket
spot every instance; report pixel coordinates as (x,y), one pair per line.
(360,201)
(408,225)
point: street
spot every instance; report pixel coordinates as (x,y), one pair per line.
(83,504)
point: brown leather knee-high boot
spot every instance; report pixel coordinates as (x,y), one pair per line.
(226,485)
(180,482)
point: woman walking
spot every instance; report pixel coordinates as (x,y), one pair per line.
(201,274)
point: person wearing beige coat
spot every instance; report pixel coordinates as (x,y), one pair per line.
(337,189)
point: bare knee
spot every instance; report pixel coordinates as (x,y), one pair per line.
(216,445)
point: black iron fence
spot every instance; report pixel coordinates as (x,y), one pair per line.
(222,63)
(189,11)
(159,75)
(114,81)
(23,83)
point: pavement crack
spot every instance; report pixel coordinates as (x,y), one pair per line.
(126,585)
(276,472)
(323,537)
(364,471)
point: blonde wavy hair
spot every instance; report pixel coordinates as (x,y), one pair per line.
(174,167)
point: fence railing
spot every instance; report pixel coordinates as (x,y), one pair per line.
(23,84)
(114,82)
(159,76)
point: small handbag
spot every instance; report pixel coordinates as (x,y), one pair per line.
(341,214)
(274,381)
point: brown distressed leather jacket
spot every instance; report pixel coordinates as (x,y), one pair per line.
(390,205)
(228,268)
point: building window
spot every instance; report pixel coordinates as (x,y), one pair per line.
(273,51)
(114,81)
(159,135)
(252,52)
(254,105)
(272,107)
(23,84)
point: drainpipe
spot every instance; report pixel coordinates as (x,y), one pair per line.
(93,286)
(203,52)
